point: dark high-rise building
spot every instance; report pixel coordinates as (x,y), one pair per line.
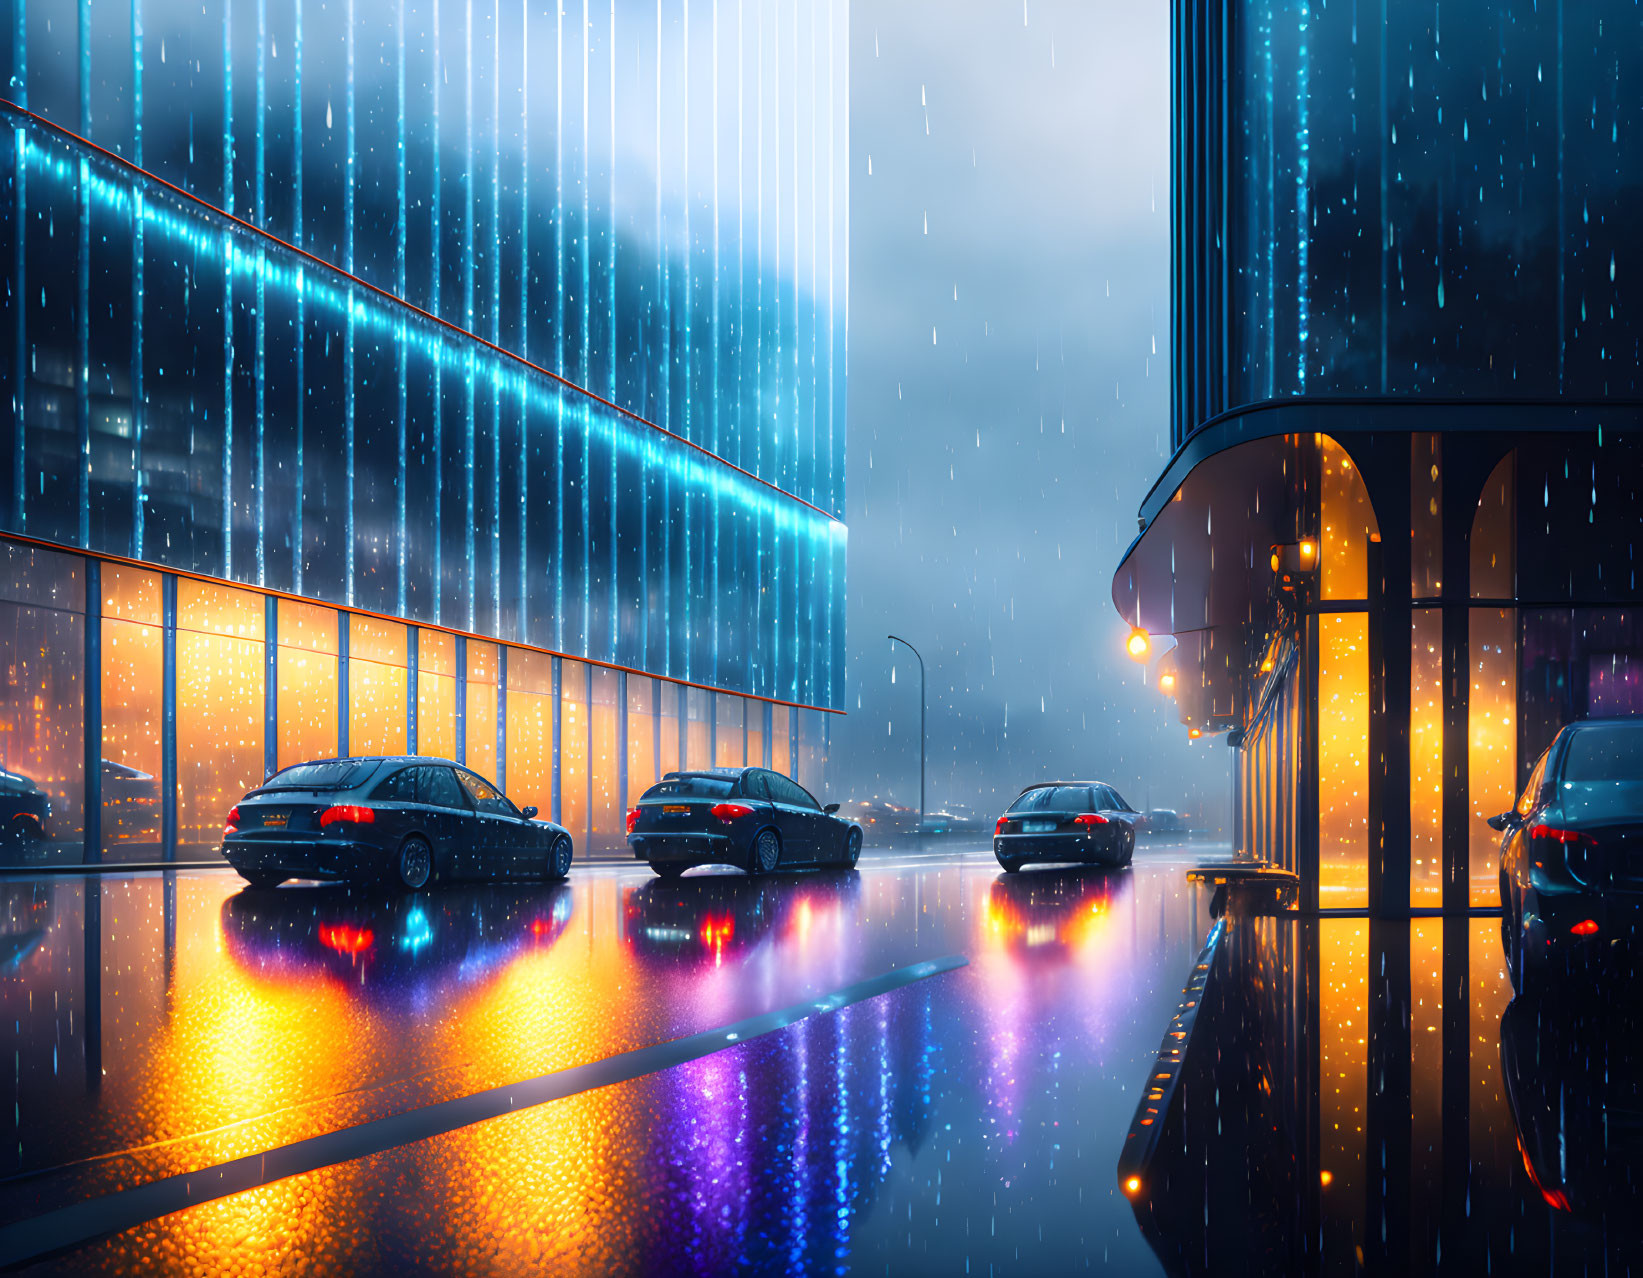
(1395,545)
(388,375)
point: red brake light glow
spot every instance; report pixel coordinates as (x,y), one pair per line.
(1089,818)
(344,938)
(1562,836)
(731,811)
(1586,927)
(347,812)
(633,819)
(233,821)
(1002,822)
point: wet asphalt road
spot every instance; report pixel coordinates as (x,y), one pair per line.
(897,1121)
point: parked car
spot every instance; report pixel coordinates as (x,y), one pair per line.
(752,818)
(27,810)
(131,804)
(1165,821)
(401,821)
(1066,821)
(1571,856)
(880,822)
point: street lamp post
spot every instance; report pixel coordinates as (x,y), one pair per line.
(921,707)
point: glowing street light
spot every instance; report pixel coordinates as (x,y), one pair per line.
(1139,644)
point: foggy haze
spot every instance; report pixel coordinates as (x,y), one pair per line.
(1009,400)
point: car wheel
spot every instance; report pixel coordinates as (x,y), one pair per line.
(1010,864)
(767,853)
(559,857)
(262,878)
(414,865)
(669,869)
(852,848)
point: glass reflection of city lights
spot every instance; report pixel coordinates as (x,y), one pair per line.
(1138,644)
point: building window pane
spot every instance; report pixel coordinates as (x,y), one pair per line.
(608,826)
(481,708)
(530,729)
(1343,763)
(1346,524)
(812,752)
(668,757)
(42,706)
(436,694)
(1426,516)
(698,705)
(1494,535)
(306,670)
(1491,742)
(642,773)
(220,676)
(377,682)
(573,748)
(133,680)
(1426,758)
(754,710)
(729,743)
(781,743)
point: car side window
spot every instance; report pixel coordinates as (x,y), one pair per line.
(1105,799)
(1526,802)
(1118,804)
(801,797)
(485,796)
(756,785)
(438,787)
(399,788)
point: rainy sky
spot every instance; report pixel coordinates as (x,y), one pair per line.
(1008,398)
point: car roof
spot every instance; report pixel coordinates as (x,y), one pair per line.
(378,758)
(1042,785)
(709,772)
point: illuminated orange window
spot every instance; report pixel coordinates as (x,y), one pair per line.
(306,669)
(220,677)
(378,682)
(436,694)
(698,706)
(754,710)
(1426,758)
(642,773)
(667,759)
(1347,521)
(603,710)
(1492,712)
(1426,516)
(481,708)
(530,729)
(1343,759)
(729,744)
(573,747)
(781,743)
(133,679)
(1343,1078)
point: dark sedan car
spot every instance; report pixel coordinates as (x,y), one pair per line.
(752,818)
(1066,821)
(399,821)
(1571,859)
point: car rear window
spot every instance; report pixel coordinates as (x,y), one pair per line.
(1603,773)
(334,774)
(692,788)
(1054,798)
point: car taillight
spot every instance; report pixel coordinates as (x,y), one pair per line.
(1586,927)
(1002,822)
(633,819)
(731,811)
(1089,818)
(233,822)
(1559,835)
(347,812)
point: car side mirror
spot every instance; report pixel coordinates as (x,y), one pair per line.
(529,814)
(1503,822)
(831,808)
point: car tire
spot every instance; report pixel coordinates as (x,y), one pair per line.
(852,848)
(263,878)
(766,853)
(669,869)
(1010,864)
(413,865)
(1129,848)
(559,859)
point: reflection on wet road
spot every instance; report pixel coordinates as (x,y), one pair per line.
(969,1121)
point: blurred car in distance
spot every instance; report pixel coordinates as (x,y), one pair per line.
(1081,821)
(27,809)
(1165,821)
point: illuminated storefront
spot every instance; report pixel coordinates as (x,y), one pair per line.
(393,377)
(1394,545)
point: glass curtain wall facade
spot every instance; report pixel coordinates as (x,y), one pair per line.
(519,328)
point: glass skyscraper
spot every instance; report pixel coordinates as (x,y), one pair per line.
(458,377)
(1395,544)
